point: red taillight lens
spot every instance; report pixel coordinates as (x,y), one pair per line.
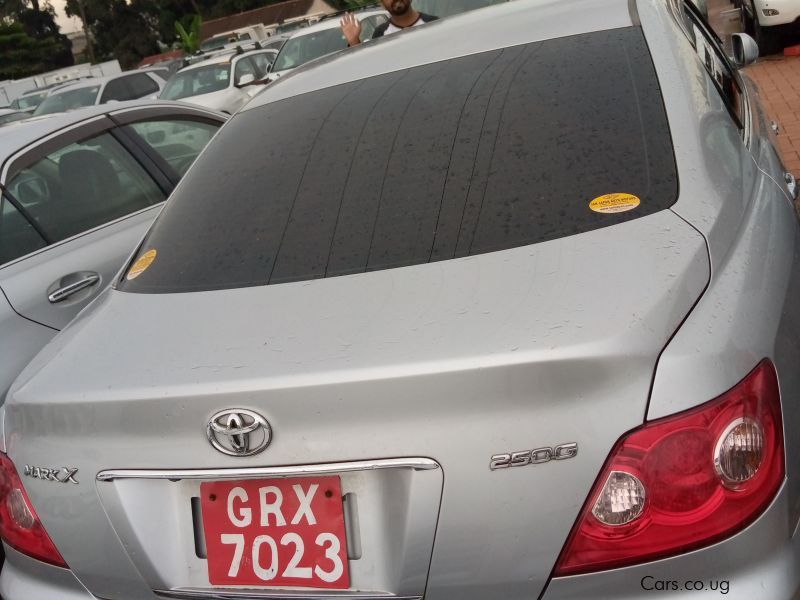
(20,527)
(683,482)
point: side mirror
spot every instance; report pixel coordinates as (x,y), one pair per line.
(245,79)
(745,49)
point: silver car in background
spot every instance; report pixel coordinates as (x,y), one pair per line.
(77,193)
(130,85)
(320,39)
(224,83)
(510,317)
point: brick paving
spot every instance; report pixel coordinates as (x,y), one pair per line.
(778,78)
(779,81)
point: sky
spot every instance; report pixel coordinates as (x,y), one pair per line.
(67,25)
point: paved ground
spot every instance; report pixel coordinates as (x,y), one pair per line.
(777,76)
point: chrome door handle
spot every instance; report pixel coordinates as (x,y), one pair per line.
(791,185)
(65,292)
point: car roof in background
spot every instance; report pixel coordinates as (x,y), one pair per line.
(222,58)
(227,57)
(22,133)
(332,21)
(83,83)
(481,30)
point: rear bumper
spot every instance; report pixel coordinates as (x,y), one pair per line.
(759,562)
(25,578)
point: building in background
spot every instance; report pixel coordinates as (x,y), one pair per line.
(266,15)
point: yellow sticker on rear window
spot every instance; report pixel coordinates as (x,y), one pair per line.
(614,203)
(141,264)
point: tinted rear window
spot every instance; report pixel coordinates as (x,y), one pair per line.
(479,154)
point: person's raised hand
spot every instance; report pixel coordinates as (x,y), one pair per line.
(351,28)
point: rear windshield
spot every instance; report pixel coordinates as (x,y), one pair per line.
(69,100)
(478,154)
(197,81)
(300,49)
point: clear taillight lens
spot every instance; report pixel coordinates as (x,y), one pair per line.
(621,500)
(683,482)
(739,452)
(20,528)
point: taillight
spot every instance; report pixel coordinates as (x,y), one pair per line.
(683,482)
(20,527)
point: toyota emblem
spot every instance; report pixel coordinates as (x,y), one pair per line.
(239,432)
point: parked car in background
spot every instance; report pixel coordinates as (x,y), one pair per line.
(8,115)
(243,35)
(320,39)
(224,83)
(129,85)
(28,101)
(508,317)
(79,191)
(771,22)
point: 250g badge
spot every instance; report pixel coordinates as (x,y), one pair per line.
(537,456)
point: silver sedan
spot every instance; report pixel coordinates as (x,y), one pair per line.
(79,191)
(508,317)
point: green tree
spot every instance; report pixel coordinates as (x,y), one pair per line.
(22,55)
(190,40)
(36,43)
(119,29)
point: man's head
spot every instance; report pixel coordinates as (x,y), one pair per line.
(397,8)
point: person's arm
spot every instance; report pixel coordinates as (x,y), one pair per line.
(351,29)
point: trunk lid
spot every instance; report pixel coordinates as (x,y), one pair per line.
(450,362)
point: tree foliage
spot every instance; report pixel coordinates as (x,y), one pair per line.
(190,40)
(30,41)
(118,28)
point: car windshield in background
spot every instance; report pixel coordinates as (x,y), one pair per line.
(215,42)
(289,27)
(478,154)
(303,48)
(68,100)
(193,82)
(31,101)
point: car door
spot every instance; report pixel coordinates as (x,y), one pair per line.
(85,199)
(741,98)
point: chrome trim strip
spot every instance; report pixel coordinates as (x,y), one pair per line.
(192,594)
(418,464)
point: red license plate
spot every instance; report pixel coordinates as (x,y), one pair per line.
(275,532)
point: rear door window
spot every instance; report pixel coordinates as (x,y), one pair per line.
(116,89)
(722,72)
(177,141)
(478,154)
(142,85)
(17,235)
(83,185)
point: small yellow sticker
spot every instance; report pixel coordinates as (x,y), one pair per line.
(614,203)
(141,265)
